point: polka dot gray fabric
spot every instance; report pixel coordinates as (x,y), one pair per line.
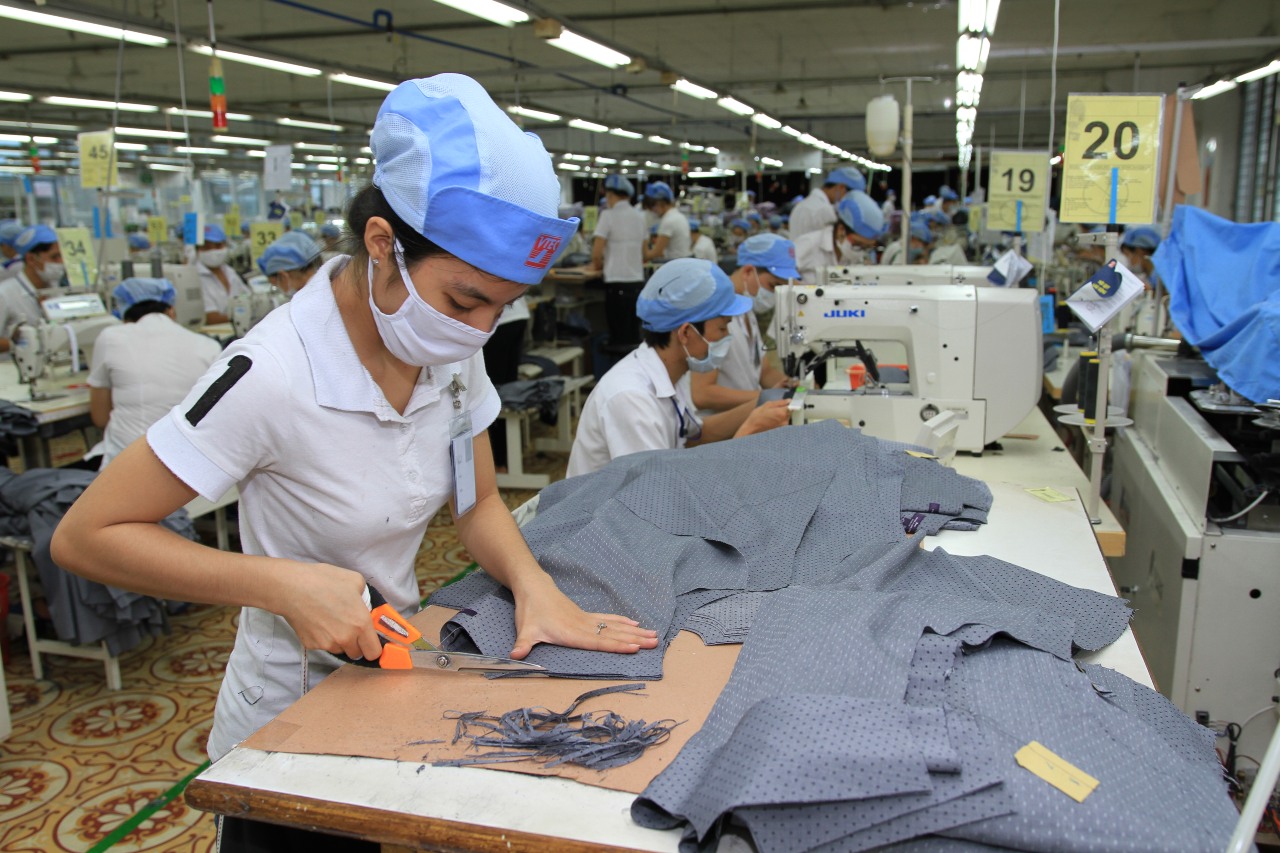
(1184,735)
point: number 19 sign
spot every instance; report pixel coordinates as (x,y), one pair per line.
(1016,191)
(1111,159)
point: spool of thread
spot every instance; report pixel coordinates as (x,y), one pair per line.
(1089,387)
(1082,364)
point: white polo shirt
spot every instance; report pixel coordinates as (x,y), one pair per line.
(149,366)
(328,470)
(741,367)
(623,229)
(674,225)
(18,303)
(948,253)
(634,407)
(216,297)
(813,214)
(814,250)
(705,249)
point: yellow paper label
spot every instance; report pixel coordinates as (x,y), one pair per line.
(1056,770)
(917,454)
(1111,159)
(157,229)
(1017,178)
(231,223)
(320,216)
(590,218)
(1050,495)
(295,219)
(99,166)
(262,235)
(78,255)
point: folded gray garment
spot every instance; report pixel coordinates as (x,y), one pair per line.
(726,620)
(1149,796)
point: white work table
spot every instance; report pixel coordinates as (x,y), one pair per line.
(71,390)
(463,808)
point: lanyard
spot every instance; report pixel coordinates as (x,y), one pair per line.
(682,432)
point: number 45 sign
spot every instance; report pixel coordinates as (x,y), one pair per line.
(1112,157)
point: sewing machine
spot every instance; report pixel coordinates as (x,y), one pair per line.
(248,309)
(971,350)
(904,274)
(67,336)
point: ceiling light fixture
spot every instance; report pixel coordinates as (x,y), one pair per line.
(240,140)
(693,90)
(1258,73)
(178,111)
(62,22)
(490,10)
(259,61)
(791,131)
(626,134)
(571,42)
(659,140)
(363,82)
(16,97)
(19,138)
(583,124)
(200,149)
(129,146)
(528,113)
(1214,89)
(91,103)
(735,106)
(312,125)
(766,121)
(165,167)
(569,167)
(153,133)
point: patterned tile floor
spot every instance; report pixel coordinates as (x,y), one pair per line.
(83,760)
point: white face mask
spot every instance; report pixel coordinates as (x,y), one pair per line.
(420,335)
(764,299)
(52,272)
(213,258)
(716,352)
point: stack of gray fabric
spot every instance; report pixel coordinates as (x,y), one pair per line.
(882,689)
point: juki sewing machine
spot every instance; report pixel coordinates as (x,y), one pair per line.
(904,274)
(248,309)
(67,337)
(972,350)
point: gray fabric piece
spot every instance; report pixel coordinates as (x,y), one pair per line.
(1145,786)
(544,394)
(726,620)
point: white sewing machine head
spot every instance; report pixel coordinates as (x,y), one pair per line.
(925,349)
(248,309)
(904,275)
(68,336)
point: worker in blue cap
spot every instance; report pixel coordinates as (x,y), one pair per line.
(219,282)
(330,241)
(818,210)
(41,270)
(948,201)
(921,238)
(348,418)
(765,261)
(704,247)
(641,404)
(672,240)
(1138,244)
(10,263)
(290,262)
(857,230)
(144,367)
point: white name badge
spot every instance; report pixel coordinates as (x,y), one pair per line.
(464,465)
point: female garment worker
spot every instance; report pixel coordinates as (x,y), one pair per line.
(334,416)
(290,262)
(219,282)
(40,267)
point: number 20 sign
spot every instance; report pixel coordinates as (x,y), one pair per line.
(1112,157)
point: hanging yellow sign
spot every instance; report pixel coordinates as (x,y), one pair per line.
(262,235)
(231,223)
(99,168)
(295,219)
(1016,191)
(1112,158)
(77,254)
(157,229)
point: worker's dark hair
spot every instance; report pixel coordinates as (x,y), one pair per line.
(138,310)
(370,202)
(661,340)
(40,248)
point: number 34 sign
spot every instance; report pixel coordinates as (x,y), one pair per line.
(1112,157)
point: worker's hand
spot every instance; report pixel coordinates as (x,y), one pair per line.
(763,418)
(325,607)
(787,382)
(544,614)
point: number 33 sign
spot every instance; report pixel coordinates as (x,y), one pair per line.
(1111,158)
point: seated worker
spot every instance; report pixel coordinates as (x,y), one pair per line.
(859,224)
(948,201)
(739,230)
(764,262)
(41,268)
(146,366)
(330,240)
(817,210)
(217,279)
(638,405)
(778,225)
(1138,244)
(918,247)
(10,262)
(948,241)
(290,262)
(672,240)
(703,248)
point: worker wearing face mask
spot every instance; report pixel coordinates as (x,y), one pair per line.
(41,270)
(703,247)
(764,262)
(672,240)
(859,225)
(331,241)
(10,262)
(641,404)
(217,279)
(290,261)
(818,210)
(921,238)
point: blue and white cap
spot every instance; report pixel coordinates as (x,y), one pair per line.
(739,222)
(455,168)
(293,251)
(769,252)
(659,189)
(849,177)
(9,229)
(920,231)
(948,194)
(131,291)
(687,290)
(34,235)
(214,234)
(930,200)
(937,217)
(695,224)
(1141,237)
(330,230)
(138,241)
(861,215)
(620,184)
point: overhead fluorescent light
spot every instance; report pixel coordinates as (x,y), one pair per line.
(313,125)
(22,138)
(1055,159)
(711,149)
(314,146)
(256,153)
(693,90)
(1258,73)
(165,167)
(1214,89)
(324,158)
(259,61)
(240,140)
(627,163)
(580,157)
(129,146)
(578,45)
(791,131)
(91,103)
(326,167)
(626,134)
(297,166)
(972,52)
(201,149)
(716,174)
(608,161)
(766,121)
(35,125)
(16,97)
(31,16)
(490,10)
(735,106)
(659,140)
(569,167)
(363,161)
(540,115)
(583,124)
(177,111)
(689,146)
(365,82)
(366,150)
(153,133)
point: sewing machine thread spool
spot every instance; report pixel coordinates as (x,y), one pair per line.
(1082,365)
(1089,388)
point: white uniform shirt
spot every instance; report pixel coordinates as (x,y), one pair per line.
(813,214)
(216,297)
(893,254)
(10,268)
(634,407)
(814,250)
(948,253)
(149,366)
(705,249)
(623,229)
(674,225)
(741,367)
(328,472)
(18,303)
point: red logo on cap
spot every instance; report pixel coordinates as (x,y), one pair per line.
(544,249)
